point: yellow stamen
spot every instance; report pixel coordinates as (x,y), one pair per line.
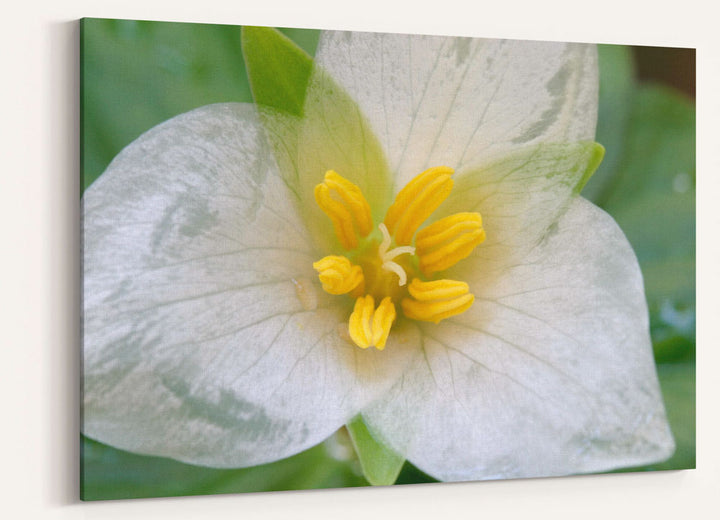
(382,322)
(340,216)
(353,198)
(339,276)
(434,301)
(447,241)
(416,201)
(381,274)
(344,203)
(369,327)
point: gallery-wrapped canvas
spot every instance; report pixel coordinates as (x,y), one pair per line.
(317,259)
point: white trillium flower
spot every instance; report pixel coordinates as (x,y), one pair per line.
(209,337)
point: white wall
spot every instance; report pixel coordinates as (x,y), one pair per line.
(39,273)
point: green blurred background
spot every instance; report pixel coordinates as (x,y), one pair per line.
(136,74)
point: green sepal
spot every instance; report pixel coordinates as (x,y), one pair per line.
(597,152)
(530,173)
(380,465)
(313,125)
(278,69)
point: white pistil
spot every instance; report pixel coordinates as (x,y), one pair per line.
(387,256)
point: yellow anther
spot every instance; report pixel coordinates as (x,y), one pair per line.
(434,301)
(340,216)
(369,327)
(339,276)
(353,198)
(447,241)
(416,201)
(344,203)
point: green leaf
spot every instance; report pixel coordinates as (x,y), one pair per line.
(617,87)
(135,75)
(381,466)
(659,145)
(653,201)
(649,188)
(278,69)
(109,473)
(678,386)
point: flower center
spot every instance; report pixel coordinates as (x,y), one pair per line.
(374,270)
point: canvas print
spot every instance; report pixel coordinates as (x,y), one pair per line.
(321,259)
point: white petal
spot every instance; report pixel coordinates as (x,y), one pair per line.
(549,373)
(207,337)
(457,101)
